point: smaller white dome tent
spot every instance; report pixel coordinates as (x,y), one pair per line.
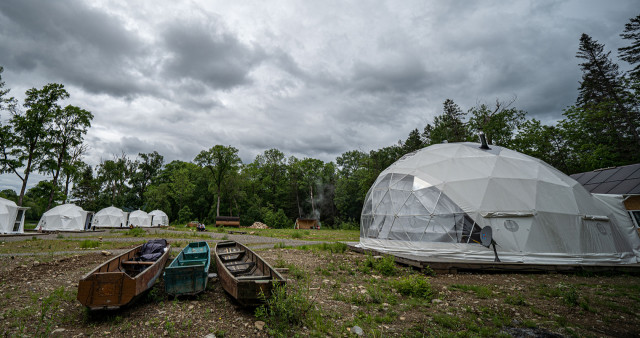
(66,217)
(110,217)
(139,218)
(11,217)
(159,218)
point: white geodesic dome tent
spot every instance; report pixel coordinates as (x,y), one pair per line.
(436,201)
(65,217)
(11,217)
(139,218)
(159,218)
(110,217)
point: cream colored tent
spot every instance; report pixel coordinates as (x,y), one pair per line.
(159,218)
(11,217)
(436,202)
(110,217)
(139,218)
(66,217)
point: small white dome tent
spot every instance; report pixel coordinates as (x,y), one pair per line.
(110,217)
(159,218)
(139,218)
(11,217)
(65,217)
(436,201)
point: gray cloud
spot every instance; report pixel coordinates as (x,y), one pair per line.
(207,53)
(313,80)
(69,42)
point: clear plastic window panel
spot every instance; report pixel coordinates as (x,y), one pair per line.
(393,210)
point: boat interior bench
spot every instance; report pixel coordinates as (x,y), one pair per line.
(236,269)
(191,262)
(229,256)
(137,263)
(252,277)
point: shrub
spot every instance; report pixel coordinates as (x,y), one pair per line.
(275,219)
(384,265)
(296,235)
(185,214)
(335,247)
(285,309)
(136,232)
(414,286)
(89,244)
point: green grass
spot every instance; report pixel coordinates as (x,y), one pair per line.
(480,291)
(328,235)
(89,244)
(384,265)
(53,245)
(414,285)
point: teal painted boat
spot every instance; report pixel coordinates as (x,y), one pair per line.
(188,273)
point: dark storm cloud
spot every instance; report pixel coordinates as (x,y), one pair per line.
(206,52)
(72,43)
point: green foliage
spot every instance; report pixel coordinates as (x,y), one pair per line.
(185,215)
(49,310)
(135,232)
(276,220)
(89,244)
(414,286)
(517,299)
(335,247)
(286,309)
(385,265)
(480,291)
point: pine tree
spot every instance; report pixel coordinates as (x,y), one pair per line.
(631,53)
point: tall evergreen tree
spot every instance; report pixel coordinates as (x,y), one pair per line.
(631,53)
(449,126)
(602,89)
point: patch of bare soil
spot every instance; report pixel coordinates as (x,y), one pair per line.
(38,298)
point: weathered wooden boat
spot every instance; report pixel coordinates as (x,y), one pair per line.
(120,280)
(244,274)
(188,273)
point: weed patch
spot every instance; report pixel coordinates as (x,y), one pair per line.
(385,265)
(287,308)
(89,244)
(480,291)
(414,286)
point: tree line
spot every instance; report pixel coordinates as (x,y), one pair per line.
(601,129)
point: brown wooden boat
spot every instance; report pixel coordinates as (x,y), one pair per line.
(244,274)
(120,280)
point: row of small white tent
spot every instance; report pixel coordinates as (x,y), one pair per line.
(70,217)
(113,217)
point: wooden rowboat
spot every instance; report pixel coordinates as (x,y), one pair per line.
(120,280)
(188,273)
(244,274)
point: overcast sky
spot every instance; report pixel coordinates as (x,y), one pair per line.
(311,78)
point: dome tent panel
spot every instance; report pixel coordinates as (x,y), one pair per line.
(468,194)
(11,217)
(139,218)
(536,212)
(398,198)
(159,218)
(65,217)
(110,217)
(509,195)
